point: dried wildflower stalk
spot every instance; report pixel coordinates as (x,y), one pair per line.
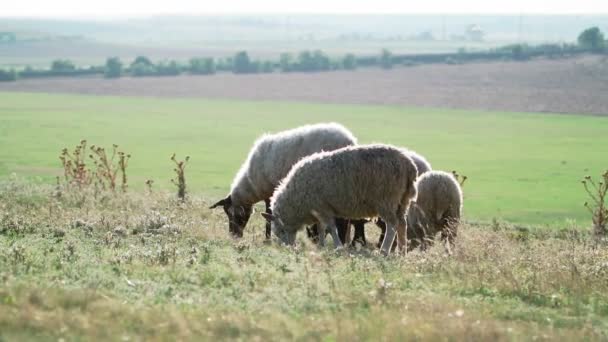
(108,168)
(181,177)
(75,170)
(459,178)
(149,184)
(598,209)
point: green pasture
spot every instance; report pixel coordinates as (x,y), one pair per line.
(522,167)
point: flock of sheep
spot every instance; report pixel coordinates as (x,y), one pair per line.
(319,177)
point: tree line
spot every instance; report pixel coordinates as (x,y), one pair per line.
(590,40)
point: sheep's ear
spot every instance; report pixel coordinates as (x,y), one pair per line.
(223,202)
(268,217)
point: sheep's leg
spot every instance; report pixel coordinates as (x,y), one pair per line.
(322,233)
(333,230)
(401,236)
(268,211)
(389,237)
(382,225)
(343,226)
(401,230)
(359,232)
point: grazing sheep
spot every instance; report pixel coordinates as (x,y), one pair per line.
(353,182)
(269,161)
(436,209)
(422,166)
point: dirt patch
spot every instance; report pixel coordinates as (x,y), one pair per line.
(577,85)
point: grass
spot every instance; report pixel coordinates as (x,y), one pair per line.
(522,167)
(148,267)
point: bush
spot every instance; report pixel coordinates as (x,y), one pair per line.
(242,64)
(386,59)
(142,69)
(62,65)
(286,62)
(170,68)
(592,39)
(349,62)
(113,68)
(267,67)
(8,75)
(202,66)
(143,60)
(313,61)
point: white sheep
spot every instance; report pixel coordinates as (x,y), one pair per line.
(422,166)
(269,161)
(437,209)
(353,182)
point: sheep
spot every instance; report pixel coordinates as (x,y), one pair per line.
(353,182)
(437,209)
(422,166)
(269,161)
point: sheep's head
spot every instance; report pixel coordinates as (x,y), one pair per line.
(280,230)
(417,225)
(238,215)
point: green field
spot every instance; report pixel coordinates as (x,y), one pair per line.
(522,167)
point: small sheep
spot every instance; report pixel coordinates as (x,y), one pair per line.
(422,166)
(353,182)
(269,161)
(436,209)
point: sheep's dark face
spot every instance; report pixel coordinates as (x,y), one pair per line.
(237,219)
(281,231)
(238,216)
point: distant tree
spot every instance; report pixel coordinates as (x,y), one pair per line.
(143,69)
(305,61)
(349,62)
(226,64)
(8,37)
(242,64)
(593,39)
(267,67)
(113,68)
(313,61)
(321,61)
(8,75)
(386,59)
(286,62)
(202,66)
(143,60)
(168,68)
(62,65)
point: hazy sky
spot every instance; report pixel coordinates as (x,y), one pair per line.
(49,8)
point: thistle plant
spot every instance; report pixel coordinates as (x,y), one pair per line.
(599,212)
(75,170)
(108,167)
(149,184)
(180,180)
(459,178)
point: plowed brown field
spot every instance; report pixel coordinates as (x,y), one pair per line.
(575,85)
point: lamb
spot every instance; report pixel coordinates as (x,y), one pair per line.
(269,161)
(353,182)
(422,166)
(437,209)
